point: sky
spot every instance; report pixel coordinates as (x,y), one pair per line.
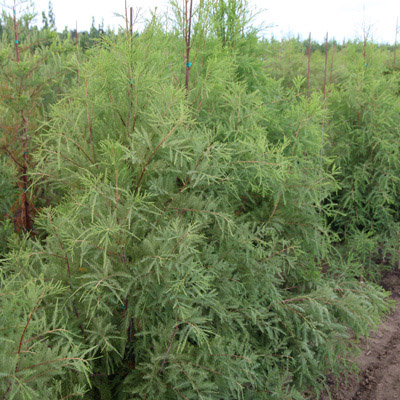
(342,19)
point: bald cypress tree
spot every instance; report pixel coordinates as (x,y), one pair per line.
(32,77)
(185,258)
(364,132)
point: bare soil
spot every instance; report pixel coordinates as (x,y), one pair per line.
(379,377)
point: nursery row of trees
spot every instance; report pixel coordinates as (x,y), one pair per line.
(184,215)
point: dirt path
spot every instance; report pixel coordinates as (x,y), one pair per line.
(379,378)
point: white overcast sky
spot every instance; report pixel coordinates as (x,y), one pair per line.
(340,18)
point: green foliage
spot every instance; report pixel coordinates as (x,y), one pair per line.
(8,195)
(37,79)
(364,132)
(33,73)
(362,121)
(229,19)
(49,21)
(38,355)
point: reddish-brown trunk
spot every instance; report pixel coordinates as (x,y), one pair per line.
(131,22)
(26,210)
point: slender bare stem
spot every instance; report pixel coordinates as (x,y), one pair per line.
(131,22)
(395,44)
(77,52)
(168,349)
(188,24)
(309,65)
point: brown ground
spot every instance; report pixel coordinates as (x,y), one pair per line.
(379,362)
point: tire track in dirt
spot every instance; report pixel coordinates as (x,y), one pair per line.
(379,378)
